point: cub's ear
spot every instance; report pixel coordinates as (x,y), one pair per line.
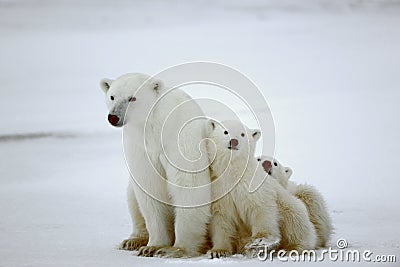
(288,172)
(256,134)
(105,84)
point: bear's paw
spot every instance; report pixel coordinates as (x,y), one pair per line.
(148,251)
(133,243)
(260,243)
(170,252)
(218,253)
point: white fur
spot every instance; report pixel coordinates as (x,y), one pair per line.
(309,195)
(145,139)
(270,214)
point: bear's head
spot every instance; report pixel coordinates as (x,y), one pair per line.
(231,140)
(136,90)
(275,169)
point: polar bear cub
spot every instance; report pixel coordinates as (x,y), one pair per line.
(309,195)
(273,217)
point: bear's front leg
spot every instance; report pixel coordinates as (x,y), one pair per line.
(190,222)
(264,222)
(190,233)
(222,229)
(159,223)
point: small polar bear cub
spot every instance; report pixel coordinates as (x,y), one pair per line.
(272,216)
(309,195)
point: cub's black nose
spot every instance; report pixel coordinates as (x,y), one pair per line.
(113,119)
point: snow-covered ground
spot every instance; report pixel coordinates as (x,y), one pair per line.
(330,71)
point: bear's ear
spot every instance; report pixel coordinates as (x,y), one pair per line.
(288,172)
(105,84)
(157,85)
(256,134)
(211,125)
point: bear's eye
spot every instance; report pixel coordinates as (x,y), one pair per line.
(226,132)
(242,134)
(287,171)
(132,99)
(112,97)
(275,164)
(258,159)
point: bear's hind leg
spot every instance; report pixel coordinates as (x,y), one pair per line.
(317,211)
(298,233)
(139,236)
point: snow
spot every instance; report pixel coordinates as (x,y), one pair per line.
(329,70)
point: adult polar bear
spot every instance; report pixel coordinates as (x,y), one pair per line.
(158,121)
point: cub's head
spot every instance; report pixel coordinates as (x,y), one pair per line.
(137,90)
(231,139)
(275,169)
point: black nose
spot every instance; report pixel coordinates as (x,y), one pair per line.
(233,142)
(113,119)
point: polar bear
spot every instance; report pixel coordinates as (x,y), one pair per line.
(272,216)
(310,196)
(168,220)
